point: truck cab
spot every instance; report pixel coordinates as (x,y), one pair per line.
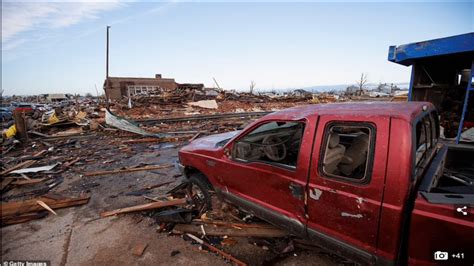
(362,180)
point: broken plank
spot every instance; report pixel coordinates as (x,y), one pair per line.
(23,218)
(5,183)
(234,225)
(44,205)
(40,153)
(26,206)
(225,231)
(195,136)
(18,166)
(153,140)
(39,134)
(143,140)
(68,164)
(139,249)
(145,207)
(216,250)
(28,181)
(146,168)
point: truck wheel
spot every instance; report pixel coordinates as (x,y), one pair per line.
(198,191)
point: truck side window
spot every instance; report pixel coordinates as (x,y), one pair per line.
(274,142)
(348,150)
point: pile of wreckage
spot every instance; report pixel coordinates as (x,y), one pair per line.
(42,148)
(215,226)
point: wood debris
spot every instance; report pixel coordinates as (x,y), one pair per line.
(145,207)
(28,181)
(216,250)
(15,208)
(21,165)
(126,170)
(228,231)
(44,205)
(139,249)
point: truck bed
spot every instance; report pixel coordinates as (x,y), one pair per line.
(450,177)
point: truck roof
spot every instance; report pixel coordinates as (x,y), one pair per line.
(404,110)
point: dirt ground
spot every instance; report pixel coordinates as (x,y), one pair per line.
(79,236)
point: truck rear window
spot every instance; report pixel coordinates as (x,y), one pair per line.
(348,151)
(427,133)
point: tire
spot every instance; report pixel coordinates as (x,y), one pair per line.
(199,183)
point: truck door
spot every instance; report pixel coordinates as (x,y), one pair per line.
(346,183)
(267,171)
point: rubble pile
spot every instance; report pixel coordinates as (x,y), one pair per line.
(218,227)
(104,160)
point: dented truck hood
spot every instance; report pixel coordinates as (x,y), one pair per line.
(211,142)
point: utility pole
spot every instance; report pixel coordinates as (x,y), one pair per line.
(107,69)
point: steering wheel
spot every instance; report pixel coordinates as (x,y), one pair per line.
(274,148)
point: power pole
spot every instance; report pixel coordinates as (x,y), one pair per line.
(107,69)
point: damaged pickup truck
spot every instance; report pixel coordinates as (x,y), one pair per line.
(368,181)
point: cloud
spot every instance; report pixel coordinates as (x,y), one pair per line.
(13,44)
(18,17)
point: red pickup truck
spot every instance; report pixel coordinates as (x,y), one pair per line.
(368,181)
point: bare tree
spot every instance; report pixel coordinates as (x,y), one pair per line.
(252,86)
(362,82)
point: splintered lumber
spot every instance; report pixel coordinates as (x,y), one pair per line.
(23,218)
(150,140)
(145,207)
(18,166)
(68,164)
(126,170)
(5,183)
(22,207)
(200,117)
(234,225)
(28,181)
(216,250)
(40,153)
(139,249)
(44,205)
(226,231)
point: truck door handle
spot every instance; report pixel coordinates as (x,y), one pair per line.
(296,190)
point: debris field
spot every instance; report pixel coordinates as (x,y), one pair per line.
(90,183)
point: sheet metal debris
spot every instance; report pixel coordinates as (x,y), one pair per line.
(35,169)
(125,125)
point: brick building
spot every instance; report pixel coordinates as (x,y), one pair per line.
(120,87)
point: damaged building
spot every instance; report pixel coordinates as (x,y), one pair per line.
(120,87)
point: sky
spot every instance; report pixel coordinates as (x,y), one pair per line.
(59,47)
